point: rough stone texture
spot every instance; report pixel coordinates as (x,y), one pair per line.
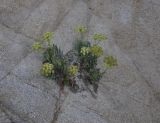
(26,101)
(4,118)
(47,16)
(13,48)
(129,93)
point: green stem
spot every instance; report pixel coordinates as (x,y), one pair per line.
(49,44)
(81,36)
(104,71)
(96,42)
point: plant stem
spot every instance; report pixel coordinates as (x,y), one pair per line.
(104,71)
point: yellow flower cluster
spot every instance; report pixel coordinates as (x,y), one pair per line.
(85,50)
(99,37)
(47,69)
(81,29)
(96,50)
(73,70)
(37,46)
(110,61)
(47,36)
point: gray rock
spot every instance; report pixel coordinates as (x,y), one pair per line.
(13,48)
(29,103)
(138,38)
(13,13)
(129,93)
(46,17)
(4,118)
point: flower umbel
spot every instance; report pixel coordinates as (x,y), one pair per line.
(47,69)
(47,36)
(110,61)
(99,37)
(96,50)
(81,29)
(73,70)
(85,50)
(37,46)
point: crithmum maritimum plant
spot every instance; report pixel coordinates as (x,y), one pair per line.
(83,64)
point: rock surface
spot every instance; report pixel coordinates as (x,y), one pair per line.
(129,93)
